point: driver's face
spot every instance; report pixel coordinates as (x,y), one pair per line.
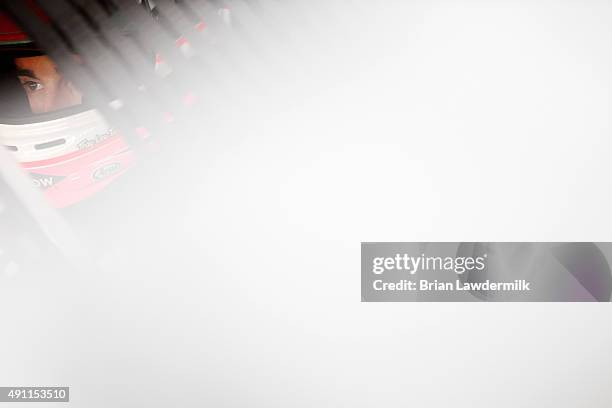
(46,88)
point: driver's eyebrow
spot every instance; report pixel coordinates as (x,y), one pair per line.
(26,73)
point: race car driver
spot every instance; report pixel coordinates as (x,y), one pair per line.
(70,151)
(46,88)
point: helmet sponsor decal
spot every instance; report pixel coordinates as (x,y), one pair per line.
(105,171)
(45,181)
(92,141)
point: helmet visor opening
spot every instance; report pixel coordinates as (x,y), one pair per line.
(33,88)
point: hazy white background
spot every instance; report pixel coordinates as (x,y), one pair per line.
(379,121)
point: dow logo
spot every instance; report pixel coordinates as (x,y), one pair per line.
(45,181)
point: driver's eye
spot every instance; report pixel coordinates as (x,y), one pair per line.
(33,85)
